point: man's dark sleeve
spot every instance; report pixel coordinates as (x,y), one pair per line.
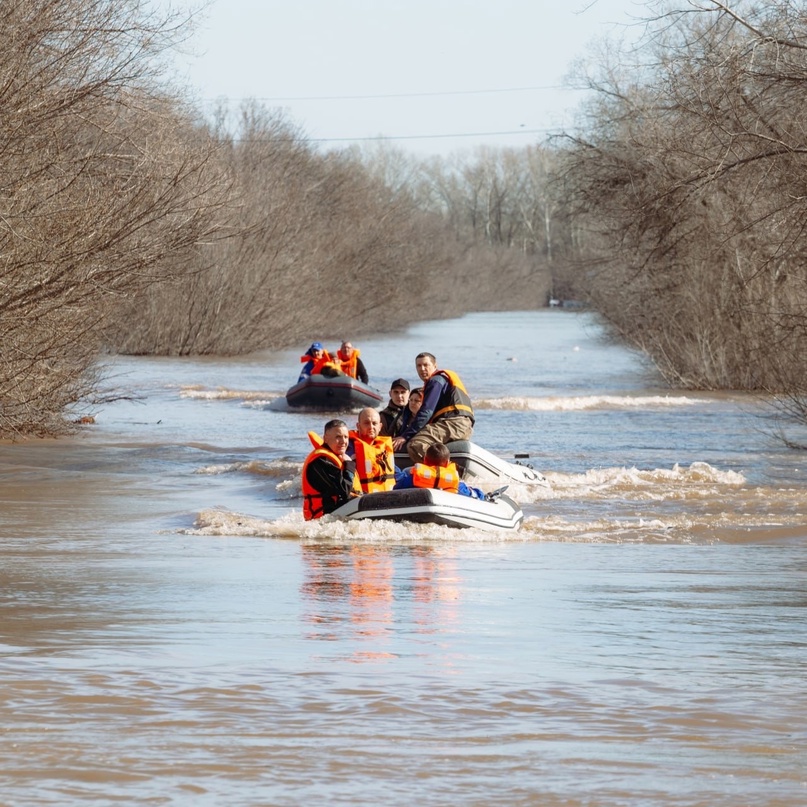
(387,419)
(333,483)
(361,372)
(431,395)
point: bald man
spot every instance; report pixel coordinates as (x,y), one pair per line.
(375,460)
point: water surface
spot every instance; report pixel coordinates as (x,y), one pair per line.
(174,633)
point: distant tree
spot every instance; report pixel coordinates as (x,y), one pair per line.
(687,176)
(317,244)
(105,188)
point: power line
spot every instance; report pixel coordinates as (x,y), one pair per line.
(392,95)
(392,137)
(428,136)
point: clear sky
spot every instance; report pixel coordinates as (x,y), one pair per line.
(432,76)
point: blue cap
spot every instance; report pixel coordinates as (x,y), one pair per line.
(316,346)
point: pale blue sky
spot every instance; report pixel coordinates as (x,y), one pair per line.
(434,67)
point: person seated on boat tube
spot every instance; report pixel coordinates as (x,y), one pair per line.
(329,475)
(375,460)
(411,409)
(393,413)
(436,471)
(350,362)
(445,415)
(318,361)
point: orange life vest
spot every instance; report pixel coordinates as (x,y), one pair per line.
(375,463)
(436,476)
(455,401)
(349,366)
(313,500)
(324,360)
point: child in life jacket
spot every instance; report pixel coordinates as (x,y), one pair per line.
(436,471)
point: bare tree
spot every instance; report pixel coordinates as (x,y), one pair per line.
(104,189)
(317,244)
(688,177)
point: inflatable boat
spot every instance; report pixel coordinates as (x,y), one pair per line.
(429,506)
(475,464)
(334,394)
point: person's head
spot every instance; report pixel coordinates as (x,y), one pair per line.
(347,349)
(368,424)
(316,350)
(335,436)
(437,455)
(415,400)
(425,364)
(399,392)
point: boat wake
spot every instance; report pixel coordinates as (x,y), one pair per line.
(281,469)
(276,400)
(684,504)
(221,522)
(694,481)
(200,393)
(578,403)
(695,504)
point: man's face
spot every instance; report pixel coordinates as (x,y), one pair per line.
(368,425)
(336,438)
(347,349)
(317,353)
(425,367)
(399,396)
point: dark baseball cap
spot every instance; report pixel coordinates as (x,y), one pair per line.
(400,382)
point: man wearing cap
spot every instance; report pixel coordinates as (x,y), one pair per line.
(392,414)
(318,360)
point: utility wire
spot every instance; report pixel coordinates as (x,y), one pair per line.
(304,138)
(392,95)
(428,136)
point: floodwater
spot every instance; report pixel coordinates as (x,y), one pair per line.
(173,633)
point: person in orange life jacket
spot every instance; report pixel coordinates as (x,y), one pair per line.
(318,361)
(350,363)
(329,475)
(436,471)
(446,413)
(375,462)
(392,414)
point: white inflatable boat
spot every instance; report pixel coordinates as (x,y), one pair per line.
(475,464)
(425,505)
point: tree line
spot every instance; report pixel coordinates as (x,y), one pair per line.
(131,223)
(106,186)
(318,245)
(688,174)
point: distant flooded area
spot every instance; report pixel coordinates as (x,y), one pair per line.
(173,631)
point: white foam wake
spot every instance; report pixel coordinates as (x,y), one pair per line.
(579,403)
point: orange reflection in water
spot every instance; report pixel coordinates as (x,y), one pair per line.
(434,580)
(366,592)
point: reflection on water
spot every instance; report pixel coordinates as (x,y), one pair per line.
(367,593)
(173,632)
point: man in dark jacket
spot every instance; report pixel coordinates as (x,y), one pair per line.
(350,362)
(328,473)
(392,414)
